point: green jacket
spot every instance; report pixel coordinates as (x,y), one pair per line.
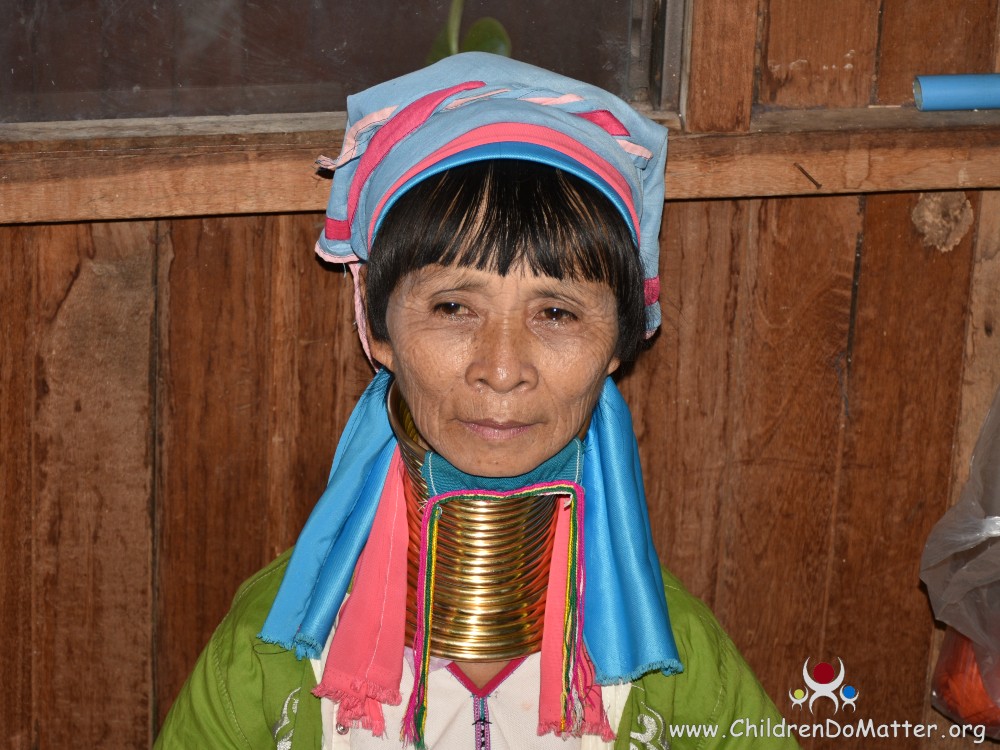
(247,694)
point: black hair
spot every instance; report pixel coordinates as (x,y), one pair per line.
(496,214)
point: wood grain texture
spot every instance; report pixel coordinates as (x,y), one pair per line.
(721,71)
(17,398)
(259,369)
(679,403)
(145,173)
(933,37)
(91,562)
(785,401)
(818,54)
(317,373)
(830,162)
(981,371)
(213,365)
(902,405)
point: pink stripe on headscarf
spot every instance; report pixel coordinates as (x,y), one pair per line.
(651,290)
(634,148)
(521,133)
(408,119)
(350,146)
(468,99)
(553,100)
(337,229)
(605,120)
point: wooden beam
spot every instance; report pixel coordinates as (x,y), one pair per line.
(55,172)
(720,86)
(826,162)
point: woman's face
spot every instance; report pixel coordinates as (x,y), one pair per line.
(499,372)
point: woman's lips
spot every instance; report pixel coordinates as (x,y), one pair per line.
(488,429)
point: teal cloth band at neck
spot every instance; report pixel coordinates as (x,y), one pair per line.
(441,476)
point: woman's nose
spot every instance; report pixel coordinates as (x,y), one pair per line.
(502,357)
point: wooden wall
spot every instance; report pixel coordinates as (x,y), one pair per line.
(171,393)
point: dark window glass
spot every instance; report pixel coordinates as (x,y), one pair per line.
(97,59)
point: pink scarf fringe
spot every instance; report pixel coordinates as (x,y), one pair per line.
(365,663)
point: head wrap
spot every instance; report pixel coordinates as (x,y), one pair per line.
(477,106)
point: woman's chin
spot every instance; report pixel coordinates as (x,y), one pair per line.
(509,456)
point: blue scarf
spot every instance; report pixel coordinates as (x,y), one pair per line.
(626,625)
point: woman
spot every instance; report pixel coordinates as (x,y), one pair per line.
(485,506)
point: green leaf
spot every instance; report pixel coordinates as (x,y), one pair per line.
(439,50)
(487,35)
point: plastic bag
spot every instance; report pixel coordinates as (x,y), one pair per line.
(961,567)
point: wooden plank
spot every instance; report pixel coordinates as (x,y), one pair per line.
(205,173)
(679,402)
(145,133)
(17,395)
(933,37)
(785,403)
(981,371)
(92,623)
(902,406)
(738,412)
(214,304)
(317,372)
(818,54)
(832,163)
(721,71)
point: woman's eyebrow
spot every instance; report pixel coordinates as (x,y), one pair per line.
(443,281)
(559,293)
(470,285)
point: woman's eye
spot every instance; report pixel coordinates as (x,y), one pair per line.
(449,308)
(557,315)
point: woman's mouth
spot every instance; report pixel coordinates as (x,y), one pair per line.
(489,429)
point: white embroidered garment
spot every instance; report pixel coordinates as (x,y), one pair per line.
(503,715)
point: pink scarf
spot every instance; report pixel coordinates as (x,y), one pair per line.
(365,663)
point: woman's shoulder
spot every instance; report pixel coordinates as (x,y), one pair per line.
(713,701)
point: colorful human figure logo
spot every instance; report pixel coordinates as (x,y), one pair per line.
(824,682)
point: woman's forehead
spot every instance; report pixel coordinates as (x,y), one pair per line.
(437,278)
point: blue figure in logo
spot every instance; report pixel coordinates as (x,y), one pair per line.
(849,694)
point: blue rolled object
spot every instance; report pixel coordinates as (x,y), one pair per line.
(973,91)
